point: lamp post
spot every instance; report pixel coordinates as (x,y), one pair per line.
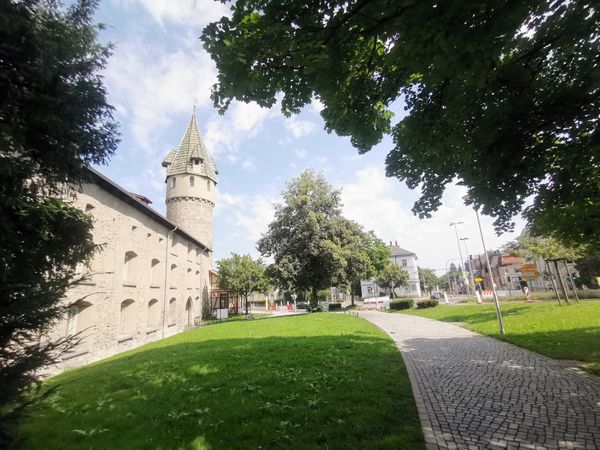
(465,239)
(489,267)
(461,256)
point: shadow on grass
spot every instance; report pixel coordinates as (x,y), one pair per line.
(271,392)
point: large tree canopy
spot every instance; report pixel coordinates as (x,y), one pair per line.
(54,119)
(503,96)
(313,246)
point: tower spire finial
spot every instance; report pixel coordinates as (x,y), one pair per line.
(195,104)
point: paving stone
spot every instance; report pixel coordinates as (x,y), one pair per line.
(475,392)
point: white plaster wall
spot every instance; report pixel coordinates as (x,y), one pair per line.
(119,228)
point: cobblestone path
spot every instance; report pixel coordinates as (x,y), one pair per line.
(474,392)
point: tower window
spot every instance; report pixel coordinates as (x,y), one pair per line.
(173,182)
(192,181)
(208,185)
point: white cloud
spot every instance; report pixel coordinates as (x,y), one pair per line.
(246,218)
(300,153)
(299,127)
(241,121)
(187,12)
(150,85)
(383,205)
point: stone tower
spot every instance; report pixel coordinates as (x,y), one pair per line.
(191,181)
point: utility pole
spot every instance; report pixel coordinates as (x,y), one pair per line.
(465,239)
(489,267)
(461,256)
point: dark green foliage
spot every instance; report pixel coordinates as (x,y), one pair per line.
(53,121)
(391,277)
(242,275)
(502,96)
(427,304)
(402,303)
(335,306)
(313,246)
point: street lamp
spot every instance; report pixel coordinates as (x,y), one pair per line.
(465,239)
(461,256)
(489,267)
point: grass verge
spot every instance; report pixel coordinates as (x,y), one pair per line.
(562,332)
(315,381)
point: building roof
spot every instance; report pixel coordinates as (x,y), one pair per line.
(399,251)
(133,200)
(191,157)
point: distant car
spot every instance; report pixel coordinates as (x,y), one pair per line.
(301,305)
(436,295)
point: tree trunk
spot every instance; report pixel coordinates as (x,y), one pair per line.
(571,280)
(314,300)
(562,283)
(246,297)
(553,282)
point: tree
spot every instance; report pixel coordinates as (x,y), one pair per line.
(507,102)
(428,279)
(391,277)
(589,269)
(242,275)
(548,249)
(311,243)
(367,256)
(54,120)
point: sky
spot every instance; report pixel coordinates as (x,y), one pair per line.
(159,71)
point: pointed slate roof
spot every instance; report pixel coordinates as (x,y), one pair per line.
(191,157)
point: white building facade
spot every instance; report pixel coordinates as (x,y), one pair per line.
(405,259)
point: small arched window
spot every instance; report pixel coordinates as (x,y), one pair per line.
(129,267)
(208,185)
(154,272)
(153,314)
(127,327)
(188,279)
(173,275)
(192,181)
(173,182)
(172,311)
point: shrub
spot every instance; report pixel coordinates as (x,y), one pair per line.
(427,303)
(335,306)
(405,303)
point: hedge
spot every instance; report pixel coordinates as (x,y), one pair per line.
(335,306)
(427,304)
(404,303)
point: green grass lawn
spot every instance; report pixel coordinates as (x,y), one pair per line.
(563,332)
(315,381)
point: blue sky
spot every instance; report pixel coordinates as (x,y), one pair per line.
(159,70)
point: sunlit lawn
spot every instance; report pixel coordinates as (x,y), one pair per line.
(316,381)
(564,332)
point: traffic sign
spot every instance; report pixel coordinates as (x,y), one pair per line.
(478,279)
(529,268)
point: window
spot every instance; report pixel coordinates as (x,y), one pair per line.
(154,272)
(80,320)
(153,314)
(208,185)
(404,263)
(172,312)
(192,181)
(129,267)
(173,274)
(188,279)
(190,248)
(173,182)
(127,326)
(189,313)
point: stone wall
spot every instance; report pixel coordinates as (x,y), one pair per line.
(145,282)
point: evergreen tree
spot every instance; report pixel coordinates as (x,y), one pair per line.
(54,120)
